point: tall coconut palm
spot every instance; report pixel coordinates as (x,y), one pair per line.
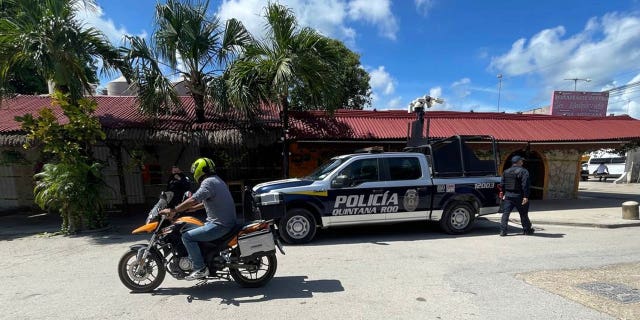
(288,57)
(187,44)
(47,36)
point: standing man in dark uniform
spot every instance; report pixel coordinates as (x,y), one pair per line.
(516,184)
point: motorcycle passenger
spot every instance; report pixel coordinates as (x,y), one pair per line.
(178,184)
(214,195)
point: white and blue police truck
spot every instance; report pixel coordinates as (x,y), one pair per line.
(451,181)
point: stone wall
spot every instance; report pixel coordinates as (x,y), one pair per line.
(17,167)
(563,172)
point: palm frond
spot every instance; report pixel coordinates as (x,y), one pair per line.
(234,40)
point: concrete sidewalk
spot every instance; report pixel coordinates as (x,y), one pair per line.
(598,206)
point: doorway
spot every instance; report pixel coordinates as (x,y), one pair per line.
(535,165)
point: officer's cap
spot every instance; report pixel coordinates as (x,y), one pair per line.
(516,159)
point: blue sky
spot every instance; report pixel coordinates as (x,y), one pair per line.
(454,49)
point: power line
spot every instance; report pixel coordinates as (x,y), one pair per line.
(623,88)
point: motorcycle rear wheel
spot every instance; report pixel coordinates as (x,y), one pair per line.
(143,282)
(254,278)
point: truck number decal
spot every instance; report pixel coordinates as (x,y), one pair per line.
(365,204)
(485,185)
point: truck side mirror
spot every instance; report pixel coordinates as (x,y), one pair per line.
(340,181)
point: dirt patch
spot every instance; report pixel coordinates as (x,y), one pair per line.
(613,289)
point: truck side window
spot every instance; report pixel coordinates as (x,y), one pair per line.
(361,171)
(405,168)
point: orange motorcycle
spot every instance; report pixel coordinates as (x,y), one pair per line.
(247,254)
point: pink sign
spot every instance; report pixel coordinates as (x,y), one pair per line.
(579,103)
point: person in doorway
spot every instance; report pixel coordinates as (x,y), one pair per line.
(516,184)
(602,172)
(214,195)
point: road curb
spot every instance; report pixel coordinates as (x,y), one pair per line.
(584,224)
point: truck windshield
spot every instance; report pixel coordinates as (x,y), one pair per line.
(326,168)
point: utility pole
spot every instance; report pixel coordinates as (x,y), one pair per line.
(499,89)
(575,82)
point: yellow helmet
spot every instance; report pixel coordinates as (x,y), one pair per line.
(202,167)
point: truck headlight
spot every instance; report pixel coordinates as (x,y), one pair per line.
(269,199)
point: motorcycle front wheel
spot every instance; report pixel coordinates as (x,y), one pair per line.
(260,271)
(143,278)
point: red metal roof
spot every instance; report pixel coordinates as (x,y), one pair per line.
(121,112)
(118,112)
(393,124)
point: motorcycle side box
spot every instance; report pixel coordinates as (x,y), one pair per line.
(256,242)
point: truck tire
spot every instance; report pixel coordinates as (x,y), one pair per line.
(297,226)
(458,218)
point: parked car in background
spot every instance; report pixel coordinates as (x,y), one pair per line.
(584,171)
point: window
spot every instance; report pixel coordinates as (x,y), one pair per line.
(607,160)
(326,169)
(361,171)
(405,168)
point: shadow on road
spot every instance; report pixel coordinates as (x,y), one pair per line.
(17,226)
(120,227)
(407,231)
(603,195)
(230,293)
(600,201)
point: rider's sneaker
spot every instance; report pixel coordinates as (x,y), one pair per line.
(198,274)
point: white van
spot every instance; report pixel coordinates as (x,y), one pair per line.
(614,162)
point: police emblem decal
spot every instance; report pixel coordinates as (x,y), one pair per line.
(411,200)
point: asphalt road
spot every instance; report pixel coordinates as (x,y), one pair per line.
(408,271)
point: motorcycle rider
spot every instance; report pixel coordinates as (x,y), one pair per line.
(214,195)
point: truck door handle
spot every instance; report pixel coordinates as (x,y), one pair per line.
(377,190)
(422,189)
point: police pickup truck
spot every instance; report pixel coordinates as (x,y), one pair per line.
(385,187)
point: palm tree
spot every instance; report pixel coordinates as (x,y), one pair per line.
(47,36)
(289,57)
(192,46)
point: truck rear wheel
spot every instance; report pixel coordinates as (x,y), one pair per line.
(458,218)
(297,226)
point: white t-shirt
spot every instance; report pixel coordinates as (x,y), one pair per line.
(602,168)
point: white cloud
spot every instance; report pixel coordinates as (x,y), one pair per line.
(627,100)
(436,92)
(424,6)
(96,19)
(381,81)
(395,103)
(461,88)
(377,12)
(461,82)
(330,17)
(607,46)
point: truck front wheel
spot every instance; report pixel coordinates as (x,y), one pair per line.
(297,226)
(458,218)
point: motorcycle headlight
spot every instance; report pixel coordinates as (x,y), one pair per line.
(269,199)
